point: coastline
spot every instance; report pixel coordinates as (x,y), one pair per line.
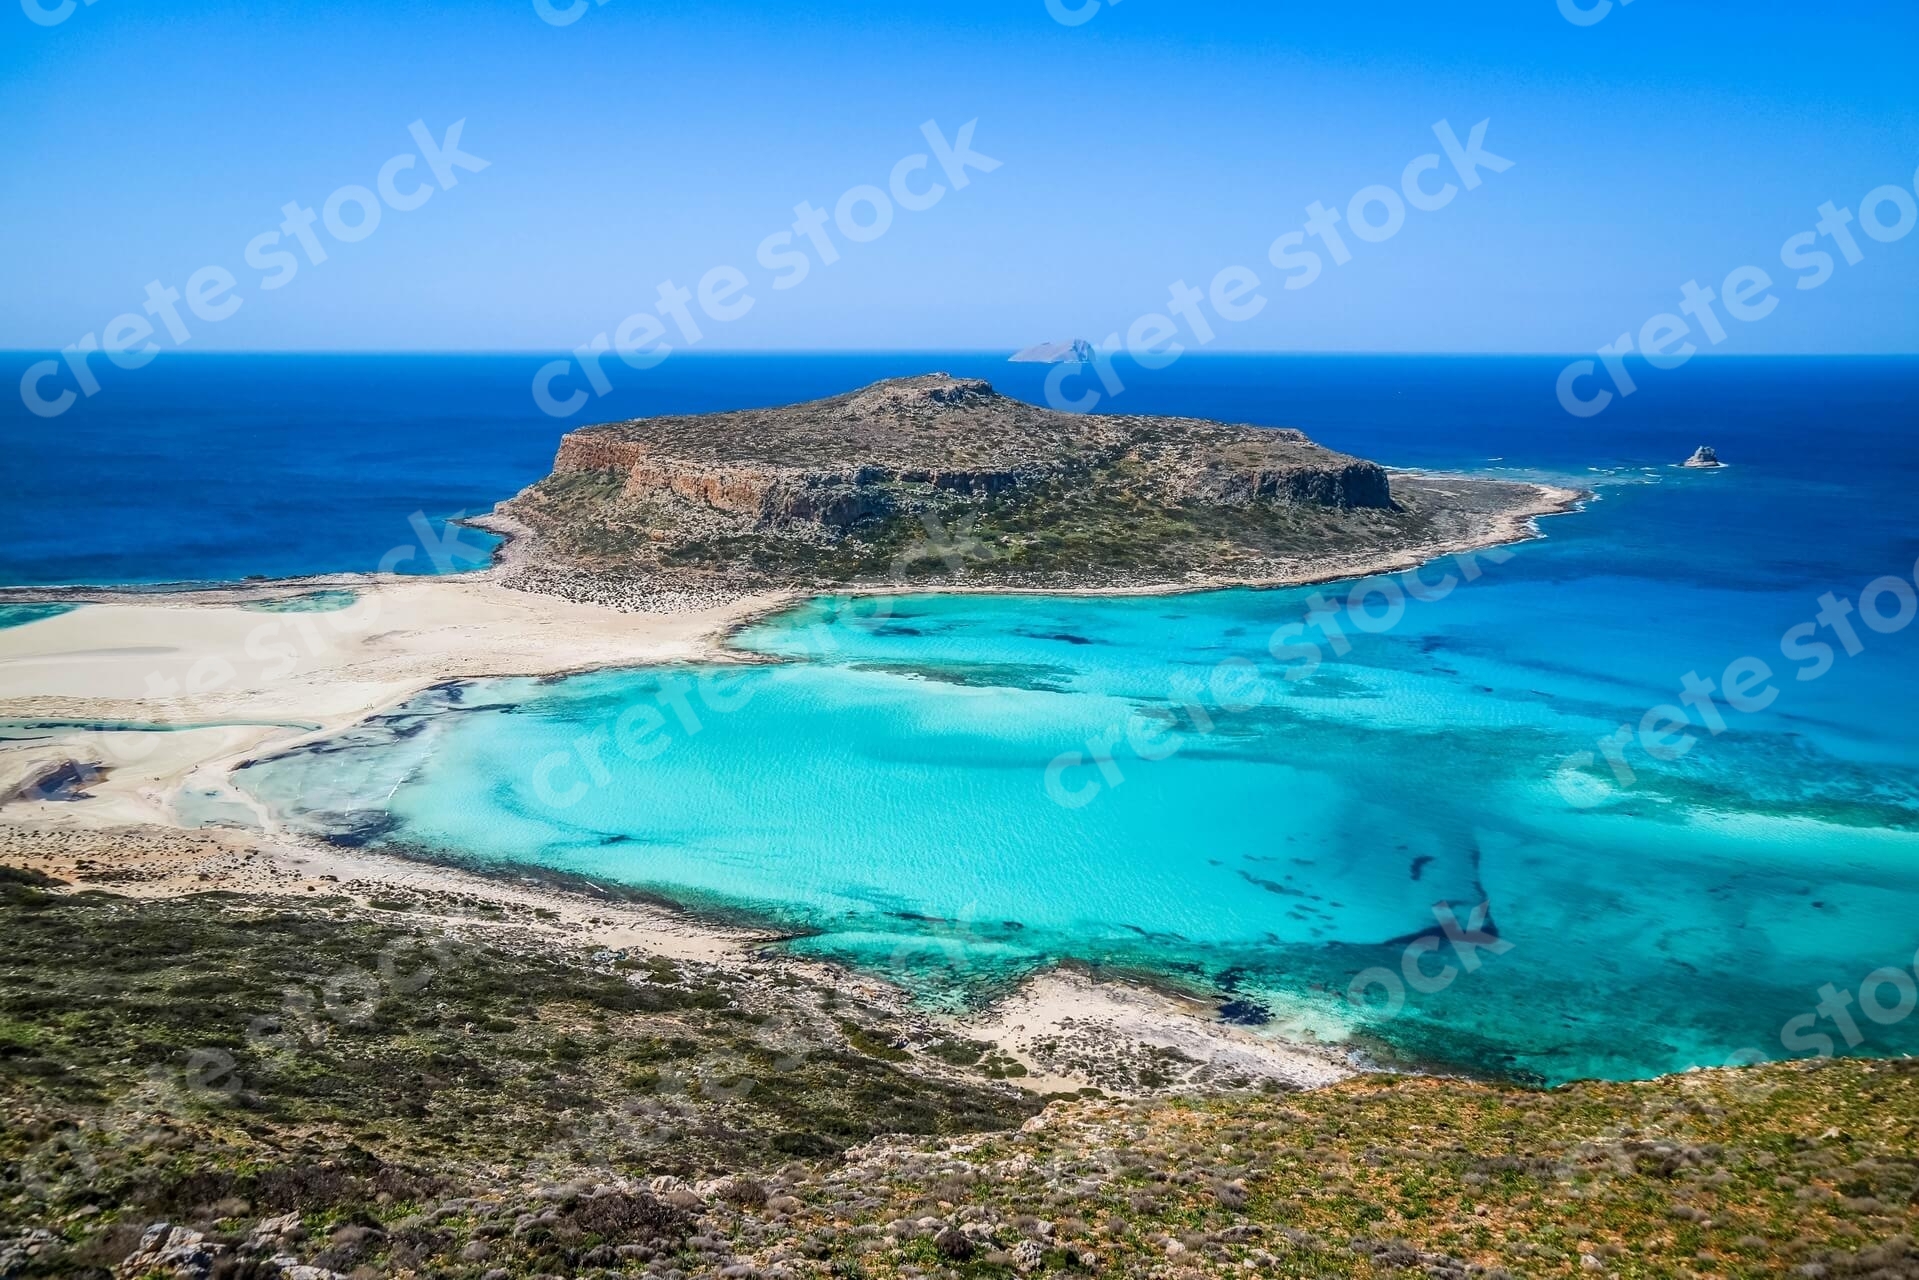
(513,553)
(1067,1031)
(144,646)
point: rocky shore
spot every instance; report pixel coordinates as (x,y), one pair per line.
(940,483)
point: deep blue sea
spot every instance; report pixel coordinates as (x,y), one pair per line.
(887,791)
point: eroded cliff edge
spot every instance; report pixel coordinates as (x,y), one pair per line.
(942,481)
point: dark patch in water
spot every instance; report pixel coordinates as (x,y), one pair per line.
(1271,886)
(1465,917)
(359,828)
(1156,937)
(1419,865)
(1245,1013)
(67,780)
(1063,637)
(979,675)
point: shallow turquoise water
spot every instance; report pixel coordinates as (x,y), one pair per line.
(330,601)
(19,615)
(886,787)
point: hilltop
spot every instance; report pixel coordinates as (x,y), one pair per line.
(942,481)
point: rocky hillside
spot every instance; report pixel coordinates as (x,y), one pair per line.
(191,1088)
(943,478)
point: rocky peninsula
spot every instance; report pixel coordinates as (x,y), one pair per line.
(942,482)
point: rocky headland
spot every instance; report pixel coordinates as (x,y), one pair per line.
(936,481)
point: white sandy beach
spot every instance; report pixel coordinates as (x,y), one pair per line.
(228,680)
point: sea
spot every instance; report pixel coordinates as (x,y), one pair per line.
(1494,827)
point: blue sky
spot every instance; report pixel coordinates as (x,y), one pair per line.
(1159,140)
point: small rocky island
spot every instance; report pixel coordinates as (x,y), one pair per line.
(941,481)
(1077,351)
(1704,458)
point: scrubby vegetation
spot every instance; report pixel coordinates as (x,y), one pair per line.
(938,481)
(1107,529)
(389,1092)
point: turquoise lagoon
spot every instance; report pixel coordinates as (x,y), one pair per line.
(881,788)
(885,796)
(20,615)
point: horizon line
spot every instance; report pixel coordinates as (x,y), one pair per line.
(546,353)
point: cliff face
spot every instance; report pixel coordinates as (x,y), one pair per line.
(1357,484)
(853,459)
(770,494)
(944,478)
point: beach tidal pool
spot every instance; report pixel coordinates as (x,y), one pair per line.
(1403,843)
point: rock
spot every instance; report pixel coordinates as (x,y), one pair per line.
(1078,351)
(169,1251)
(1704,457)
(16,1252)
(1354,485)
(277,1228)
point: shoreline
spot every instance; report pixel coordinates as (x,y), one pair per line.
(1068,1030)
(1509,528)
(1065,1027)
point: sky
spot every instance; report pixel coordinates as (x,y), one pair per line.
(1139,143)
